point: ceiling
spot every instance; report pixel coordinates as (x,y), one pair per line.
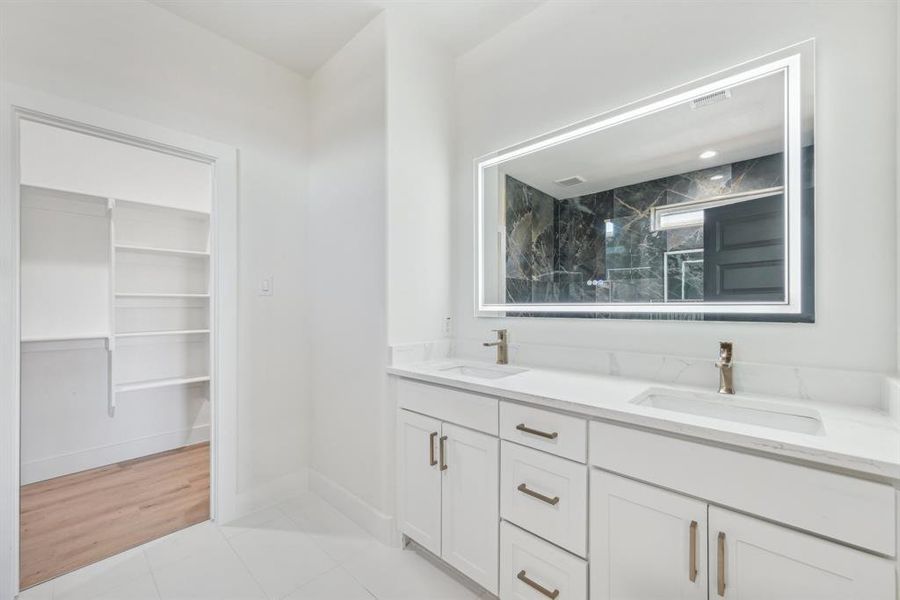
(747,125)
(303,34)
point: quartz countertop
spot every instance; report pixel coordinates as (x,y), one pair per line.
(860,440)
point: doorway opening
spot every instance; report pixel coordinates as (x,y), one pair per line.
(117,328)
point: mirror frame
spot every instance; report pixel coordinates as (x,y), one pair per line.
(798,305)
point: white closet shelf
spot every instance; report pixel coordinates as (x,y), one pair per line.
(200,214)
(164,251)
(156,295)
(158,333)
(64,337)
(104,199)
(159,383)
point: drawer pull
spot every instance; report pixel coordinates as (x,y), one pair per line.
(720,565)
(552,501)
(543,434)
(441,448)
(535,585)
(431,460)
(692,569)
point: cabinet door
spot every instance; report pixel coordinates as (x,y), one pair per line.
(751,559)
(470,507)
(646,543)
(419,479)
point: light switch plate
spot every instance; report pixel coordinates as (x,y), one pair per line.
(447,327)
(266,286)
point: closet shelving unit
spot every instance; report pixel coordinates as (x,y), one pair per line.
(153,309)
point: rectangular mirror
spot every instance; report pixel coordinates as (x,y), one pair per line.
(696,203)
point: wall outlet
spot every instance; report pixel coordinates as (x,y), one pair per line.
(447,327)
(266,286)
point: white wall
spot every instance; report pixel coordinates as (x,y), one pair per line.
(60,159)
(420,155)
(347,268)
(567,61)
(139,60)
(379,249)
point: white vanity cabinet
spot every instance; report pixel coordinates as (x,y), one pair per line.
(448,477)
(643,540)
(751,559)
(418,471)
(469,499)
(535,503)
(448,488)
(646,543)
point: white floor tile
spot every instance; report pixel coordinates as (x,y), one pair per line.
(217,575)
(337,535)
(281,557)
(142,588)
(336,584)
(196,540)
(43,591)
(99,578)
(258,520)
(394,574)
(303,549)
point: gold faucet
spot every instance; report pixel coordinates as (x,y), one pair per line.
(502,344)
(725,364)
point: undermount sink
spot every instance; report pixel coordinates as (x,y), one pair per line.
(482,372)
(737,410)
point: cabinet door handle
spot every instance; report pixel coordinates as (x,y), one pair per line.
(431,460)
(720,565)
(443,458)
(535,585)
(544,434)
(692,569)
(552,501)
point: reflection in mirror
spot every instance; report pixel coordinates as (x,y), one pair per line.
(684,209)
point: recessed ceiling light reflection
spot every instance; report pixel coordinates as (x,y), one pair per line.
(717,177)
(708,154)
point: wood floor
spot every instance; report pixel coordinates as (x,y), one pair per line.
(78,519)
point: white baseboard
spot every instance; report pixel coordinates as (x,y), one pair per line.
(63,464)
(379,524)
(268,494)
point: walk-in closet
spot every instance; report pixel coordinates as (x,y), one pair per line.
(115,275)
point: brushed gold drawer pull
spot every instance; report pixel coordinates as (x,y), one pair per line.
(543,434)
(431,460)
(441,448)
(692,569)
(720,565)
(535,585)
(552,501)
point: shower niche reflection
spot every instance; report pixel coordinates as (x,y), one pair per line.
(693,204)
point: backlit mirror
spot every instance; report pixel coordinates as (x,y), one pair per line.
(695,203)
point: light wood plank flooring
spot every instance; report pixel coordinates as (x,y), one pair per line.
(75,520)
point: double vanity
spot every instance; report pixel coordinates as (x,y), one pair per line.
(541,484)
(694,204)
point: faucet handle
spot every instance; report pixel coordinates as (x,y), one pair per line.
(726,350)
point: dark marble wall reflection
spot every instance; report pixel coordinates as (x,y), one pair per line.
(531,240)
(600,248)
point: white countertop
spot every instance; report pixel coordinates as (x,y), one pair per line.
(857,439)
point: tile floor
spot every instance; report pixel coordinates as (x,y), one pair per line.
(301,549)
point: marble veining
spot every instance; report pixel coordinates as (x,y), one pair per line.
(600,247)
(862,440)
(818,384)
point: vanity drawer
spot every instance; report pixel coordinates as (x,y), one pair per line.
(856,511)
(552,432)
(532,569)
(544,494)
(447,404)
